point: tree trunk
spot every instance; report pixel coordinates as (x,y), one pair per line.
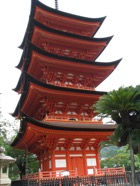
(132,161)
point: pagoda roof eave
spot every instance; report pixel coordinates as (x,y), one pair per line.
(32,23)
(69,126)
(35,3)
(27,53)
(29,79)
(58,12)
(59,126)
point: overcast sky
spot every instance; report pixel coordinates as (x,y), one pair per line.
(122,22)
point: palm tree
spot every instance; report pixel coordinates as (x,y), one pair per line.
(123,105)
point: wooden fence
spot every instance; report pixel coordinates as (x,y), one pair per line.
(106,180)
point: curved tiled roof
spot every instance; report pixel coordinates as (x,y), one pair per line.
(29,79)
(32,23)
(35,3)
(65,126)
(31,47)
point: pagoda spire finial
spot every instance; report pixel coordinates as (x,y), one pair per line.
(56,4)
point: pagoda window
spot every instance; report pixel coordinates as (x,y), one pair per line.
(91,162)
(60,163)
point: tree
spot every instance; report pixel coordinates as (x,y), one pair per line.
(119,158)
(24,163)
(123,105)
(108,151)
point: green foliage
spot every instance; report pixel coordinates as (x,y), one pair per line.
(115,102)
(119,158)
(123,105)
(114,139)
(24,163)
(107,152)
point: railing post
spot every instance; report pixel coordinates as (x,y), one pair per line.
(106,179)
(94,171)
(40,175)
(123,169)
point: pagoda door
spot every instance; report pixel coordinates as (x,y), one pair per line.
(78,164)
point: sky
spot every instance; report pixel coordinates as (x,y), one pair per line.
(122,22)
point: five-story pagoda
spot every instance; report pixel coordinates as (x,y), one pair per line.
(59,75)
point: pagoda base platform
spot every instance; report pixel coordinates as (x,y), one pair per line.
(73,173)
(102,177)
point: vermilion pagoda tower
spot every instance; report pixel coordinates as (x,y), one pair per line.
(57,87)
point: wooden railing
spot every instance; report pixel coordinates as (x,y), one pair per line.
(71,119)
(50,174)
(72,173)
(105,180)
(109,171)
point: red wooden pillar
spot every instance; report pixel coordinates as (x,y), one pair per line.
(53,161)
(98,158)
(40,163)
(85,163)
(68,160)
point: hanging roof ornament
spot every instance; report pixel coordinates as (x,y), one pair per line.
(56,4)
